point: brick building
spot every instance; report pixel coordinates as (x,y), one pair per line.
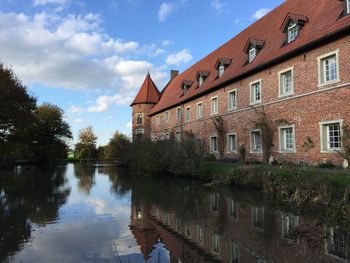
(292,65)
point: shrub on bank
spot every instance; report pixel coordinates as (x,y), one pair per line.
(165,156)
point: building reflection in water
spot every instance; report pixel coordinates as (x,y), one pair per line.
(234,231)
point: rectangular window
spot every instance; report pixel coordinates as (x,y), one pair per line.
(336,243)
(221,70)
(232,100)
(331,138)
(231,143)
(286,82)
(158,120)
(233,209)
(199,110)
(255,92)
(290,223)
(292,32)
(188,114)
(234,252)
(139,134)
(215,202)
(200,235)
(348,6)
(256,145)
(166,116)
(178,113)
(258,217)
(213,144)
(287,139)
(252,54)
(139,118)
(214,105)
(216,243)
(328,67)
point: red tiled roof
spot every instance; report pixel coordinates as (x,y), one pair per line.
(323,20)
(148,94)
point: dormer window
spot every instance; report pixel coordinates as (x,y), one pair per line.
(186,85)
(292,31)
(291,26)
(347,7)
(201,76)
(221,70)
(252,48)
(221,65)
(252,54)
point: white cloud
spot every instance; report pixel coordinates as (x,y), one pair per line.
(45,2)
(260,13)
(129,125)
(104,102)
(164,10)
(167,42)
(217,5)
(73,52)
(182,57)
(74,109)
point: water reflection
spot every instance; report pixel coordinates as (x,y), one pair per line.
(28,200)
(104,214)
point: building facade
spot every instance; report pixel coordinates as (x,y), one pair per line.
(292,66)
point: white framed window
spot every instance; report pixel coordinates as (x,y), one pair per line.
(292,32)
(256,145)
(252,54)
(290,224)
(231,143)
(331,135)
(216,243)
(199,111)
(215,202)
(200,235)
(178,136)
(258,217)
(158,120)
(166,116)
(139,118)
(336,243)
(328,68)
(200,80)
(214,105)
(139,134)
(178,113)
(255,92)
(234,252)
(232,100)
(348,6)
(213,144)
(185,88)
(233,209)
(221,70)
(287,139)
(286,82)
(188,114)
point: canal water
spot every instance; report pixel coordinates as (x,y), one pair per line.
(80,213)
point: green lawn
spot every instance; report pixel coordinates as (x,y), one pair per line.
(340,176)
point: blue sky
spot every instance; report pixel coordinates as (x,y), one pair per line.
(90,56)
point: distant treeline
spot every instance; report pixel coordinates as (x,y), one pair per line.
(28,132)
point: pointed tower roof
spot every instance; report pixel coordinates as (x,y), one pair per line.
(148,94)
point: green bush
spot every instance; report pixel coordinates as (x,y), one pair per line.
(167,156)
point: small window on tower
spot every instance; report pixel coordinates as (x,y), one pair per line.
(139,118)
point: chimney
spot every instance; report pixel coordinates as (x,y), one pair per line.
(173,74)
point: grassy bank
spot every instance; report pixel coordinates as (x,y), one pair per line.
(307,189)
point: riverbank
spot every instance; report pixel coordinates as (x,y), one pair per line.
(326,190)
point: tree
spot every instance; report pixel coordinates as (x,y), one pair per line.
(117,145)
(86,147)
(16,115)
(17,105)
(50,133)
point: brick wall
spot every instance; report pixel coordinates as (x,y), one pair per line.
(305,109)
